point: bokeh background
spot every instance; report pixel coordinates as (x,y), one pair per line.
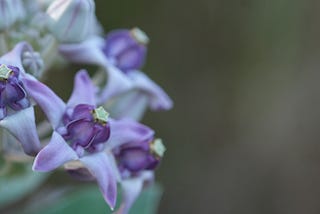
(243,136)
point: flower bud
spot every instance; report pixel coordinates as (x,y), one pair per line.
(11,11)
(137,156)
(126,49)
(70,21)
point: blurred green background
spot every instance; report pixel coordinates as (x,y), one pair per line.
(243,136)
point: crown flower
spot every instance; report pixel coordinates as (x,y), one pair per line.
(96,134)
(16,111)
(126,85)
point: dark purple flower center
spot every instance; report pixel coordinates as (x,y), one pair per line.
(137,156)
(126,49)
(12,93)
(86,128)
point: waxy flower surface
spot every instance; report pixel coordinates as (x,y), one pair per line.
(136,161)
(85,134)
(80,132)
(71,20)
(16,110)
(127,91)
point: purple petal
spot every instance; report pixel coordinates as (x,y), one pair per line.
(117,41)
(22,125)
(48,101)
(159,100)
(55,154)
(88,52)
(131,189)
(132,59)
(128,105)
(126,131)
(101,168)
(14,57)
(83,90)
(118,83)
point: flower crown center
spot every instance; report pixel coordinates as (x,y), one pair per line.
(100,115)
(140,36)
(157,148)
(5,72)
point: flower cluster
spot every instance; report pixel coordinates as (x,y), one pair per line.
(96,134)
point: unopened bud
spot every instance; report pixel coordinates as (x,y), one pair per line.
(10,12)
(70,21)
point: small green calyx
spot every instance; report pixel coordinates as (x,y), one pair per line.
(157,148)
(100,115)
(5,72)
(140,36)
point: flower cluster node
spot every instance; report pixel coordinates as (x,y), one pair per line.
(33,63)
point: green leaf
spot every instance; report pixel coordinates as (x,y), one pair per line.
(15,187)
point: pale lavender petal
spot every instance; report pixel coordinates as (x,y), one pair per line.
(131,189)
(126,131)
(55,154)
(22,125)
(88,52)
(83,90)
(128,105)
(101,168)
(118,83)
(48,101)
(159,100)
(14,57)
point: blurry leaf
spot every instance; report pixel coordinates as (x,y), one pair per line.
(90,201)
(13,188)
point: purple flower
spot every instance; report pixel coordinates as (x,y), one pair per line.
(84,138)
(16,111)
(80,133)
(126,49)
(128,91)
(136,160)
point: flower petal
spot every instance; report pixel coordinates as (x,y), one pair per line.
(55,154)
(117,83)
(22,125)
(48,101)
(159,100)
(88,52)
(126,131)
(83,90)
(14,57)
(128,105)
(101,168)
(131,189)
